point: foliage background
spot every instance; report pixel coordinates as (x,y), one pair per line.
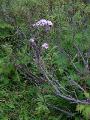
(20,99)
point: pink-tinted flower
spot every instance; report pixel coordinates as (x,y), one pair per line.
(45,46)
(43,23)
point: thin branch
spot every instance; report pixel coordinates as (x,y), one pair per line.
(59,109)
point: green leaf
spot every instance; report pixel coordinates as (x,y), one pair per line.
(87,95)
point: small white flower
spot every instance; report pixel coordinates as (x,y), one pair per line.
(45,46)
(32,40)
(49,23)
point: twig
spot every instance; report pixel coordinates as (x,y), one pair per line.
(59,109)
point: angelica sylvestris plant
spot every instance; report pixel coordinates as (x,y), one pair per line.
(56,62)
(60,90)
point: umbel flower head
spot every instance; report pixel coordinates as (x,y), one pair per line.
(43,23)
(45,46)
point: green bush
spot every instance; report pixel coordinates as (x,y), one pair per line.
(26,91)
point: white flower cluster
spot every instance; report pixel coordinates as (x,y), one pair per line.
(47,24)
(45,46)
(43,23)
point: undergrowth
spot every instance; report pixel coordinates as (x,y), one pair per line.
(45,70)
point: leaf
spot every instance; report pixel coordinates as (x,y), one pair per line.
(88,82)
(87,95)
(80,108)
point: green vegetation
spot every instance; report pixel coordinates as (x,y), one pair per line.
(45,70)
